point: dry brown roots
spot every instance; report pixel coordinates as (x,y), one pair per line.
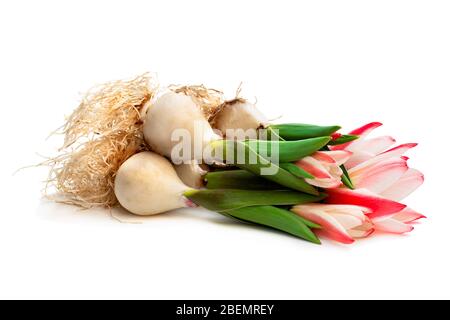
(209,100)
(103,132)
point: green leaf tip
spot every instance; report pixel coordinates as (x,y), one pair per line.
(296,170)
(299,131)
(276,218)
(346,180)
(343,139)
(239,179)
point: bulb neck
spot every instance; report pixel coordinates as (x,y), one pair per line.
(186,198)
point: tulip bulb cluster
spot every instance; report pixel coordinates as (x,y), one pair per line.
(165,150)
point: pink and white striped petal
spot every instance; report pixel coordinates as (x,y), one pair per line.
(403,187)
(392,153)
(366,129)
(362,231)
(349,221)
(408,215)
(379,176)
(327,183)
(340,156)
(373,146)
(399,150)
(331,226)
(358,158)
(379,207)
(313,167)
(361,132)
(392,226)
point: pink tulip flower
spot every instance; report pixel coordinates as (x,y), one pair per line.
(342,223)
(382,179)
(324,167)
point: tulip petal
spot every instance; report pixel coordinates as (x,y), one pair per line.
(357,211)
(313,167)
(362,231)
(323,156)
(373,146)
(337,157)
(365,229)
(399,150)
(403,187)
(365,129)
(352,218)
(408,215)
(327,183)
(361,132)
(330,225)
(358,158)
(380,176)
(378,206)
(340,156)
(392,153)
(348,221)
(392,226)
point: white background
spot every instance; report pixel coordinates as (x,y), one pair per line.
(325,62)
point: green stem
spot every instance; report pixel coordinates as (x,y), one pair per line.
(223,200)
(260,166)
(239,179)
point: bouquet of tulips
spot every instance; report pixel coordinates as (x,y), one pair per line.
(153,150)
